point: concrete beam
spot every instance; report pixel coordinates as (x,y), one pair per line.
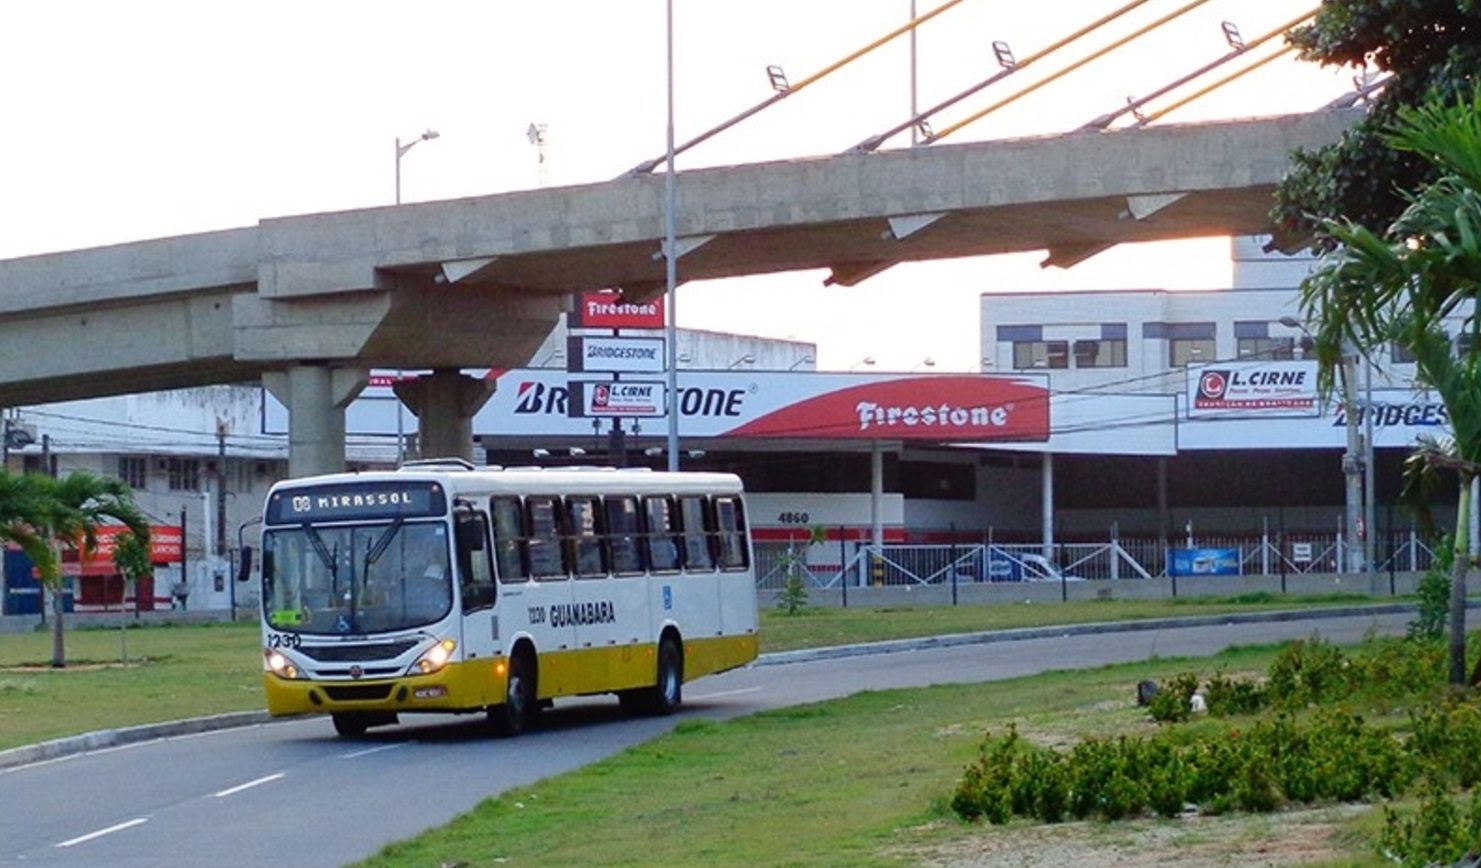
(128,273)
(119,348)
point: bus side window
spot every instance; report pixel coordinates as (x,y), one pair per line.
(695,520)
(544,542)
(622,534)
(662,538)
(584,551)
(509,539)
(730,521)
(474,562)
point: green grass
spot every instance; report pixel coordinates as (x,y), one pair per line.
(174,672)
(858,781)
(816,626)
(178,672)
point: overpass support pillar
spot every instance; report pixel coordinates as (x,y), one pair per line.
(316,397)
(445,402)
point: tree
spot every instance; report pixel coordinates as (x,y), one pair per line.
(23,517)
(132,556)
(1404,283)
(1431,48)
(75,507)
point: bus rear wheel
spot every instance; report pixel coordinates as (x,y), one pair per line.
(518,710)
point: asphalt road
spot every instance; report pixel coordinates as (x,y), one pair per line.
(292,793)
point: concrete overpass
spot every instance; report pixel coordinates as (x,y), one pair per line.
(311,303)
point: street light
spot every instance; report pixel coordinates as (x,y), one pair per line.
(867,361)
(1353,465)
(805,360)
(747,359)
(401,150)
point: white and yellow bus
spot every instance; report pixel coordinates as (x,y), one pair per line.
(441,587)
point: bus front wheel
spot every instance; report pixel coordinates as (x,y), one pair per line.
(515,714)
(667,692)
(354,724)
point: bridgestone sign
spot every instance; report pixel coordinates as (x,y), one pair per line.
(615,355)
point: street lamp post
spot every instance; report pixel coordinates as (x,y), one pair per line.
(401,150)
(670,254)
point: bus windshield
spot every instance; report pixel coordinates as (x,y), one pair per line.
(364,578)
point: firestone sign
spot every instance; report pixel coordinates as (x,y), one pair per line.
(609,310)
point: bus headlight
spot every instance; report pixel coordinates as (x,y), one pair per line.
(280,665)
(435,658)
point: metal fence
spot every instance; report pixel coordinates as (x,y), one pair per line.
(859,564)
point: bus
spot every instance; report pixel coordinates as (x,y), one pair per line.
(444,587)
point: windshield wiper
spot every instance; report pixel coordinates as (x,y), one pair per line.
(374,553)
(317,542)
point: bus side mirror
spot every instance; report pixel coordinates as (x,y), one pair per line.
(244,569)
(469,531)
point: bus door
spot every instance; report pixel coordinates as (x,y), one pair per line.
(475,571)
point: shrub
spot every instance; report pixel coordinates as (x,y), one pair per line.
(1173,703)
(1307,671)
(1226,696)
(1435,834)
(1434,595)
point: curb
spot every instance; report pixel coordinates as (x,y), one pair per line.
(91,741)
(951,640)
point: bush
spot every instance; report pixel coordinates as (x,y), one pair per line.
(1228,696)
(1173,702)
(1434,595)
(1435,834)
(1308,671)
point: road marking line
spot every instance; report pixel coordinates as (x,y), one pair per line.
(101,832)
(736,692)
(248,785)
(369,751)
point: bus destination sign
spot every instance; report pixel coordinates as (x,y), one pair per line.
(356,501)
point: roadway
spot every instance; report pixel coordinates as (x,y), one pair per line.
(293,792)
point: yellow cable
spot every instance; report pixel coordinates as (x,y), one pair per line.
(1066,71)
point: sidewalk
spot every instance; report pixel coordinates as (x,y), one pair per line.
(72,745)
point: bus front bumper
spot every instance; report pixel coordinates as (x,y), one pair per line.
(461,686)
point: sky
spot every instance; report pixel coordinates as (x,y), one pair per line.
(127,121)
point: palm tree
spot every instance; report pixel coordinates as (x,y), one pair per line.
(1403,284)
(76,506)
(23,517)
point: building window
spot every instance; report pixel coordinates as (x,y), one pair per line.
(1182,352)
(1399,354)
(1103,353)
(134,470)
(1041,354)
(1283,349)
(185,474)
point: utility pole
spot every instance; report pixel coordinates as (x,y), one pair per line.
(1352,466)
(221,429)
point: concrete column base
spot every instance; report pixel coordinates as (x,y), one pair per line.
(444,403)
(316,397)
